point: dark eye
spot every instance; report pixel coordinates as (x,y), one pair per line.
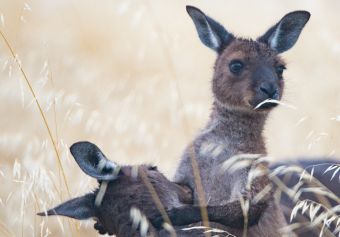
(152,167)
(236,66)
(279,70)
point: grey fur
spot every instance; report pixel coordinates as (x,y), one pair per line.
(210,32)
(286,32)
(239,133)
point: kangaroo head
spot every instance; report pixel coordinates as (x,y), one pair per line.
(248,72)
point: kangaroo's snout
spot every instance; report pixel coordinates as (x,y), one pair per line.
(269,90)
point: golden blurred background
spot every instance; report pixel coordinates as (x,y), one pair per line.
(133,77)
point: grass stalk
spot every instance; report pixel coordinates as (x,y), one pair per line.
(196,172)
(155,197)
(13,54)
(24,75)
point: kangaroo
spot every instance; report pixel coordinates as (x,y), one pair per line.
(246,73)
(126,190)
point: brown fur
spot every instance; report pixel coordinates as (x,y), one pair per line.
(239,91)
(247,72)
(122,194)
(129,191)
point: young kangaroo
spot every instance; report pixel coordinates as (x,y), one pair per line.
(111,207)
(247,72)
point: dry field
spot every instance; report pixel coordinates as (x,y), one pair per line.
(133,77)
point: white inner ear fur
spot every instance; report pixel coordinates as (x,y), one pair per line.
(104,163)
(273,40)
(215,42)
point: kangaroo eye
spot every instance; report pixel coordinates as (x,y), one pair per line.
(152,167)
(279,70)
(236,66)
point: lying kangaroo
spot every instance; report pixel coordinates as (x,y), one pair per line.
(125,191)
(246,73)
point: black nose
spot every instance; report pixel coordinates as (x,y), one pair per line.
(270,90)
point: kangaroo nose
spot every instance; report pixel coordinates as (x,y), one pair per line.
(270,90)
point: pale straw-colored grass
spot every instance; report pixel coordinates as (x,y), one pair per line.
(322,217)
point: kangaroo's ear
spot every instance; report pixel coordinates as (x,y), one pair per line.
(211,33)
(93,162)
(80,208)
(285,33)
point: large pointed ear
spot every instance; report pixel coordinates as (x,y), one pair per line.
(285,33)
(211,33)
(93,162)
(80,208)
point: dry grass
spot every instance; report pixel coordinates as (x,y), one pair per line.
(104,72)
(317,214)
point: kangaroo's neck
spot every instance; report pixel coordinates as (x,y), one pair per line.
(241,130)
